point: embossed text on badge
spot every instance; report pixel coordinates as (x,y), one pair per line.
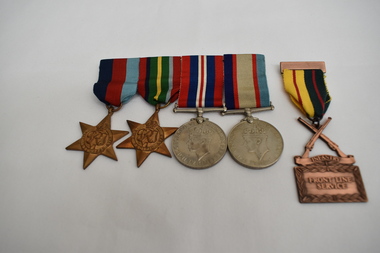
(327,180)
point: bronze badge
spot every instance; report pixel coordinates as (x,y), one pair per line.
(327,178)
(97,140)
(147,138)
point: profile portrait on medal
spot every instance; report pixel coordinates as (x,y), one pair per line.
(255,141)
(199,142)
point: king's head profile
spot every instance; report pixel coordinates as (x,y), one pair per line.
(199,141)
(255,140)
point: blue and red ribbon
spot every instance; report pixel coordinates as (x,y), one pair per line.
(117,82)
(245,82)
(201,81)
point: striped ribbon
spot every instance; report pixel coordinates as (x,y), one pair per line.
(201,77)
(159,79)
(308,91)
(117,82)
(245,82)
(201,81)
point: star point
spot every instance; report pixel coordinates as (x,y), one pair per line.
(97,140)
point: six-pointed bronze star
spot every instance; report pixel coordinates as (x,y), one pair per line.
(97,140)
(147,138)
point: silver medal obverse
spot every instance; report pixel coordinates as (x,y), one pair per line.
(255,144)
(199,145)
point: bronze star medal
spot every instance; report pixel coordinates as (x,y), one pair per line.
(97,140)
(147,138)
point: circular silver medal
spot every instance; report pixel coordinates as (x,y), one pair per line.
(255,143)
(199,145)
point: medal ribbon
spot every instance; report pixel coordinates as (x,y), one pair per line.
(159,79)
(308,91)
(201,81)
(245,82)
(117,82)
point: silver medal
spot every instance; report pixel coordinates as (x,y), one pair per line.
(199,143)
(255,143)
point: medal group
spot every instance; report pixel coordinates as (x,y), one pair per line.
(229,84)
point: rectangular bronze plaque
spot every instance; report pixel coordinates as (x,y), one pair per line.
(329,182)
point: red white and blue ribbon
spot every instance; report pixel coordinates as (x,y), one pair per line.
(245,82)
(117,82)
(201,81)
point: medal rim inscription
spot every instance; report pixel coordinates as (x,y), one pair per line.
(191,124)
(330,166)
(249,165)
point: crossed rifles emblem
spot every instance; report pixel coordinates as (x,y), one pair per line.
(305,160)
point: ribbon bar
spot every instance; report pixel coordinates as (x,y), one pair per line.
(201,81)
(198,81)
(117,82)
(245,82)
(159,79)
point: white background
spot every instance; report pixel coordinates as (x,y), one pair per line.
(49,59)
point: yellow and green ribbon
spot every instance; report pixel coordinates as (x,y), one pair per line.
(308,91)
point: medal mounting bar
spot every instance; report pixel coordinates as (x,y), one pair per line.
(247,110)
(303,65)
(199,111)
